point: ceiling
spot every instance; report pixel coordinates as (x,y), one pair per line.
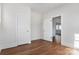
(44,7)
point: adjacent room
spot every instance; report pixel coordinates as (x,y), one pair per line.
(39,28)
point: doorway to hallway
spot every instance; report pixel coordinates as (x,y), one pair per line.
(57,29)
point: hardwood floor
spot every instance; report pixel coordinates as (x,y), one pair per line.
(40,47)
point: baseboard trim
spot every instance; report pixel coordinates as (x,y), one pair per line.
(42,40)
(27,43)
(36,40)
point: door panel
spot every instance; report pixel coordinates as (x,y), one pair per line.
(23,27)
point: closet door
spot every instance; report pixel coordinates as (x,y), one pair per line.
(23,26)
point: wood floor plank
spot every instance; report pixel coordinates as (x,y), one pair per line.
(40,47)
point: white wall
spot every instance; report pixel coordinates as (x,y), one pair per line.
(37,25)
(70,23)
(0,28)
(8,26)
(16,25)
(0,12)
(47,28)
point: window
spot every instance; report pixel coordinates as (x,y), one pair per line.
(58,28)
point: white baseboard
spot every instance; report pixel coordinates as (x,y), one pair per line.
(67,44)
(29,42)
(48,40)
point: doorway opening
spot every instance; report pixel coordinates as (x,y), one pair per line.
(57,29)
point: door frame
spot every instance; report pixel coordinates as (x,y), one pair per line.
(53,26)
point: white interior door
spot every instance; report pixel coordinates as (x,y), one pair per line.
(23,31)
(23,26)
